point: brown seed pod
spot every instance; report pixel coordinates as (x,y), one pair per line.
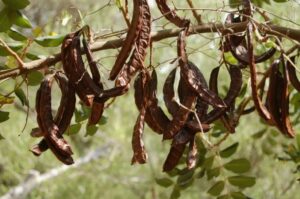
(261,109)
(51,132)
(237,44)
(132,35)
(292,74)
(136,60)
(139,154)
(170,14)
(141,85)
(173,157)
(273,99)
(187,72)
(287,125)
(74,68)
(233,91)
(97,107)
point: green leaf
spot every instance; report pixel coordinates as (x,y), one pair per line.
(186,179)
(1,137)
(238,166)
(259,134)
(281,1)
(215,172)
(91,130)
(217,188)
(225,153)
(5,22)
(242,181)
(19,19)
(298,141)
(32,56)
(6,100)
(16,35)
(73,129)
(50,41)
(16,4)
(4,116)
(227,196)
(164,182)
(80,116)
(175,193)
(22,97)
(238,195)
(208,162)
(234,3)
(34,78)
(14,46)
(103,120)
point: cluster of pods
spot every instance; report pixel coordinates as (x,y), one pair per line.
(190,115)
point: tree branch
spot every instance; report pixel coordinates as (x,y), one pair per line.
(289,33)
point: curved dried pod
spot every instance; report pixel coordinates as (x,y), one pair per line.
(292,74)
(131,37)
(73,66)
(168,93)
(287,125)
(47,125)
(261,109)
(273,99)
(136,60)
(233,91)
(97,107)
(237,45)
(157,114)
(187,72)
(170,14)
(139,153)
(173,157)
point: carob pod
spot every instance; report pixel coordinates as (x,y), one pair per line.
(136,60)
(131,37)
(292,74)
(170,14)
(142,93)
(191,158)
(261,109)
(73,66)
(237,44)
(190,77)
(233,92)
(287,125)
(97,107)
(52,135)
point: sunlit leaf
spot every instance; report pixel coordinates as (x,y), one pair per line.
(242,181)
(73,129)
(19,19)
(217,188)
(16,35)
(16,4)
(4,116)
(34,78)
(22,97)
(164,182)
(227,152)
(50,41)
(238,165)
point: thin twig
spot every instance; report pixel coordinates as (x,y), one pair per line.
(13,53)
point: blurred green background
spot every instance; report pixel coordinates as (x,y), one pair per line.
(111,175)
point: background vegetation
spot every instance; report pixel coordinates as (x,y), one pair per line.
(274,159)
